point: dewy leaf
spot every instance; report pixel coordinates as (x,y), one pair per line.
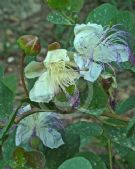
(76,163)
(118,135)
(87,131)
(58,18)
(94,159)
(103,14)
(126,105)
(131,126)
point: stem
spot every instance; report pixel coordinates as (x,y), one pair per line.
(8,125)
(67,17)
(116,116)
(22,116)
(108,123)
(22,75)
(110,153)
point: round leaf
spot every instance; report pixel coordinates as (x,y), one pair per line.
(76,163)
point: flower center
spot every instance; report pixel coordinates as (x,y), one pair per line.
(62,75)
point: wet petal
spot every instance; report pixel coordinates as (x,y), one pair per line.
(56,56)
(34,69)
(93,73)
(44,89)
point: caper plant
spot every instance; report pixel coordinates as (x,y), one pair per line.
(70,117)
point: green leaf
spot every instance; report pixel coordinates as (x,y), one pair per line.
(9,146)
(130,159)
(95,100)
(118,135)
(55,157)
(76,163)
(57,4)
(1,71)
(103,14)
(126,18)
(7,94)
(131,127)
(128,66)
(122,151)
(94,159)
(87,131)
(6,101)
(58,18)
(126,105)
(85,93)
(99,100)
(75,5)
(108,14)
(11,82)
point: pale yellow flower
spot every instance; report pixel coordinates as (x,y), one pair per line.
(55,74)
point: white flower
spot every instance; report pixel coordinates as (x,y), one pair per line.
(96,46)
(54,74)
(43,125)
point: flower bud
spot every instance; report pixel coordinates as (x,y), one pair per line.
(29,44)
(54,46)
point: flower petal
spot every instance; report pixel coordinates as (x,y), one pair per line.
(44,130)
(80,61)
(121,52)
(50,137)
(85,42)
(117,53)
(24,130)
(93,73)
(56,56)
(34,69)
(89,27)
(44,89)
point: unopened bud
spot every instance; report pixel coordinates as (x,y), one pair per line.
(54,46)
(29,44)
